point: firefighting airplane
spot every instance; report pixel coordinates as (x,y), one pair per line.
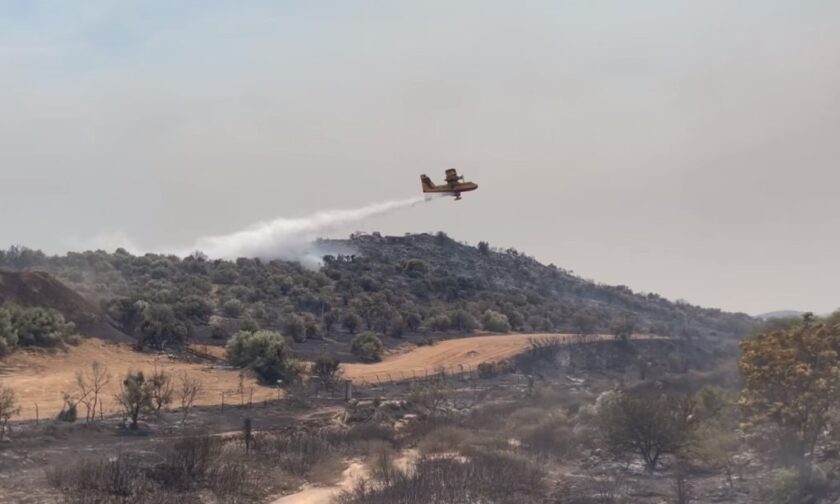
(454,185)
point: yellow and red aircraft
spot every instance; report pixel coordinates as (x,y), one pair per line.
(454,185)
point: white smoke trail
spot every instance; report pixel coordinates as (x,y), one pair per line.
(290,238)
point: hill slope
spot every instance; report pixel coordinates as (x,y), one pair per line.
(37,288)
(391,285)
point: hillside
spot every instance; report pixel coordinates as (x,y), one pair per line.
(391,285)
(41,289)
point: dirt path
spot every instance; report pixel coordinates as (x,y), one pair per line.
(354,473)
(41,377)
(455,355)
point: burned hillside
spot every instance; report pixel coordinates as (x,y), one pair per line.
(388,285)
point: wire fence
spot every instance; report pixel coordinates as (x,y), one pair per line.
(472,371)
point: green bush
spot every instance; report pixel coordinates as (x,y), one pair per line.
(463,321)
(352,322)
(21,326)
(438,323)
(367,346)
(160,327)
(232,308)
(267,353)
(295,328)
(495,321)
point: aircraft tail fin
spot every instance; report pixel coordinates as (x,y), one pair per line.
(427,183)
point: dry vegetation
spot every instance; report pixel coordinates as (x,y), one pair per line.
(43,377)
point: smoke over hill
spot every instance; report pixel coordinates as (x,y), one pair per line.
(285,238)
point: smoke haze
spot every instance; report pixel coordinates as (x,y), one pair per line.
(291,238)
(678,147)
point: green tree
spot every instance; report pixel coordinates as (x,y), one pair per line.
(233,308)
(623,326)
(792,380)
(367,346)
(413,321)
(267,353)
(328,369)
(495,322)
(647,425)
(294,327)
(8,334)
(463,321)
(135,396)
(160,327)
(396,326)
(440,322)
(416,268)
(351,322)
(585,320)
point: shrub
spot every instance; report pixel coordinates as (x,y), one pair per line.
(328,369)
(499,478)
(396,326)
(267,353)
(367,346)
(21,326)
(413,321)
(495,322)
(549,436)
(646,425)
(487,370)
(297,453)
(438,323)
(351,322)
(8,334)
(462,320)
(8,408)
(135,396)
(232,308)
(294,327)
(248,324)
(160,327)
(446,439)
(416,268)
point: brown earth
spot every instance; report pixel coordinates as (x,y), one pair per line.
(41,377)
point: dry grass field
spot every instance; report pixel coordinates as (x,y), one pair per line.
(455,355)
(41,377)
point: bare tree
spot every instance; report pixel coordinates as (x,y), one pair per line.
(161,389)
(90,385)
(683,489)
(8,408)
(188,389)
(431,396)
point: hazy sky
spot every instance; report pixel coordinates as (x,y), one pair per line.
(688,148)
